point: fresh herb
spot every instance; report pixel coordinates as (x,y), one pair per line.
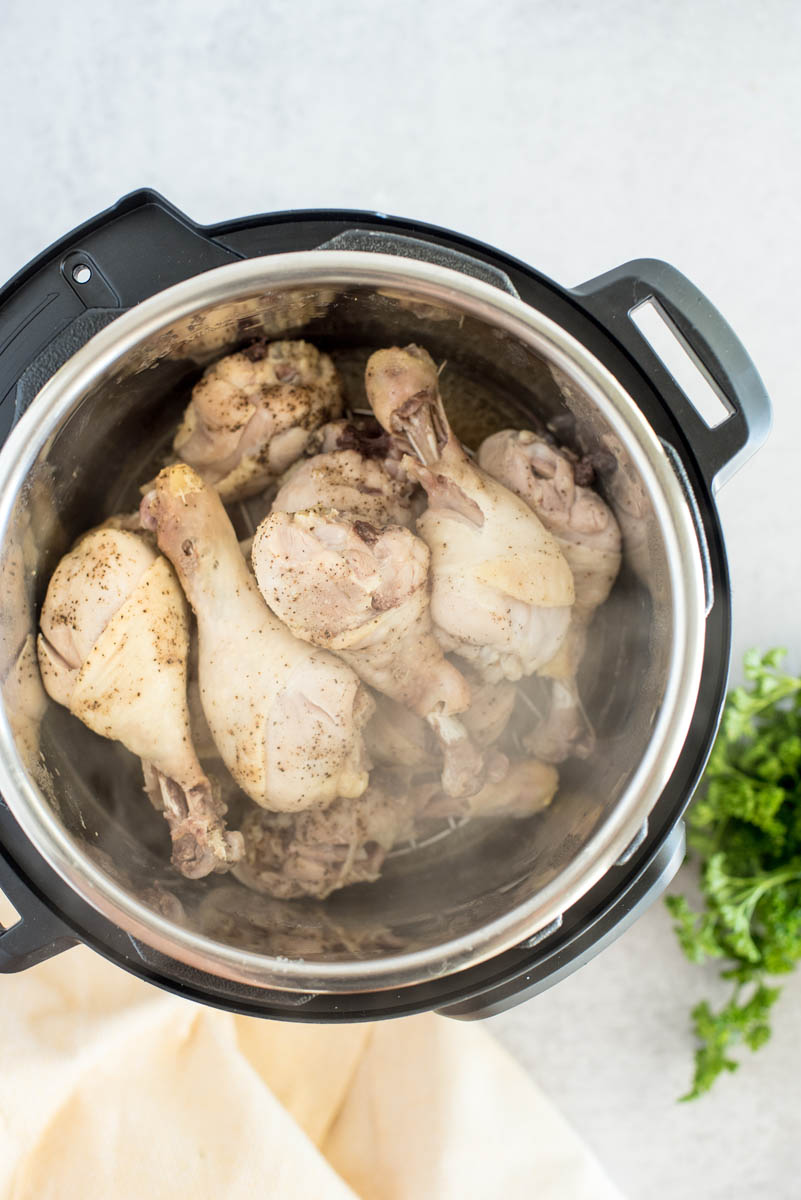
(745,827)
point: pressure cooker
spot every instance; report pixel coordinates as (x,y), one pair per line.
(101,338)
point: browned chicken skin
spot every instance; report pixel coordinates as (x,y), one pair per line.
(490,711)
(545,477)
(397,737)
(253,412)
(113,649)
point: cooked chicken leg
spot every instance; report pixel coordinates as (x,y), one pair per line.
(362,592)
(314,853)
(490,710)
(24,699)
(584,526)
(588,534)
(528,787)
(397,737)
(113,649)
(286,718)
(354,474)
(501,588)
(252,413)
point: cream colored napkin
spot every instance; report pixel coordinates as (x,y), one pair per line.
(112,1088)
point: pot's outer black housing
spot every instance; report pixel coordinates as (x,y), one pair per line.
(143,245)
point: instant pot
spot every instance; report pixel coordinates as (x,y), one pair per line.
(101,338)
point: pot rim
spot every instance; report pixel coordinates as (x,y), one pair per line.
(435,284)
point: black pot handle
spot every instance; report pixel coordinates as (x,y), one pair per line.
(556,956)
(39,933)
(711,343)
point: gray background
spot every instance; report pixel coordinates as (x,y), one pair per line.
(576,135)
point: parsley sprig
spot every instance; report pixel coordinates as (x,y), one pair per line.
(745,828)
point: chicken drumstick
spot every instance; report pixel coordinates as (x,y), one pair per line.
(253,412)
(286,718)
(113,649)
(501,588)
(589,536)
(363,592)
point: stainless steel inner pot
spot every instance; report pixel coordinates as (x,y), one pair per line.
(99,427)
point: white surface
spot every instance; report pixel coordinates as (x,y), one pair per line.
(612,1049)
(575,135)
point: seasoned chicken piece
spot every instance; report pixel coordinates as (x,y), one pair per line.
(501,588)
(15,605)
(24,699)
(397,737)
(589,536)
(205,745)
(286,718)
(349,482)
(315,853)
(622,482)
(527,788)
(253,412)
(361,433)
(625,488)
(563,730)
(34,524)
(364,434)
(584,526)
(491,708)
(113,650)
(363,593)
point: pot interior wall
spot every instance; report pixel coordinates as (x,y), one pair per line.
(116,438)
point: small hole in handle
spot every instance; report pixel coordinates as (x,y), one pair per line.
(9,917)
(668,344)
(81,273)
